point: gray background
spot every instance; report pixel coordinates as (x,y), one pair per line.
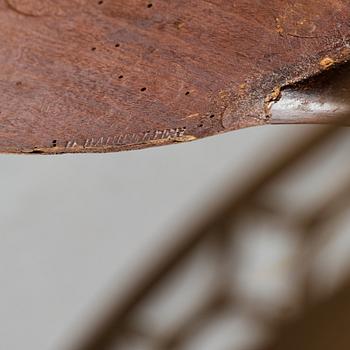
(76,228)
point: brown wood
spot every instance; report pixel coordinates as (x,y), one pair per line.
(111,75)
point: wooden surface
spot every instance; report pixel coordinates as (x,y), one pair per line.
(97,76)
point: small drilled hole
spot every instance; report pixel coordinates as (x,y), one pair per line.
(121,77)
(117,45)
(100,2)
(187,93)
(54,143)
(143,89)
(149,5)
(93,49)
(200,125)
(212,116)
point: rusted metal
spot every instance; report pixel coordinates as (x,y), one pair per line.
(99,76)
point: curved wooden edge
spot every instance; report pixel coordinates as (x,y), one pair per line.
(79,76)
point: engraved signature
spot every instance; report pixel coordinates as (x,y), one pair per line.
(129,138)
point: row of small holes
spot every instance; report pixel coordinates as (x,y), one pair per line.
(142,89)
(118,45)
(54,142)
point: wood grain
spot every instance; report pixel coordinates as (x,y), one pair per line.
(112,75)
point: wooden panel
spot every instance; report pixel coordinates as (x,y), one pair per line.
(110,75)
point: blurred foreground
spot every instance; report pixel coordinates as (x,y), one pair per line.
(267,268)
(236,242)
